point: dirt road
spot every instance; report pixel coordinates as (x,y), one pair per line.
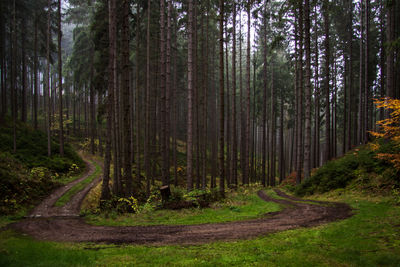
(63,224)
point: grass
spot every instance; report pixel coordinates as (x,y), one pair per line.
(235,207)
(370,238)
(78,187)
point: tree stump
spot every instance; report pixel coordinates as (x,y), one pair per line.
(165,193)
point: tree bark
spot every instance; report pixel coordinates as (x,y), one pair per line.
(61,121)
(326,85)
(221,99)
(350,82)
(361,80)
(105,189)
(299,143)
(189,142)
(92,106)
(168,93)
(147,123)
(264,107)
(35,70)
(126,118)
(48,80)
(24,73)
(317,97)
(307,138)
(247,130)
(234,120)
(14,107)
(163,115)
(366,75)
(138,102)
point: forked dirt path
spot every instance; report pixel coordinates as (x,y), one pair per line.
(64,224)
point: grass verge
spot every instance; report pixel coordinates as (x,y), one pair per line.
(78,187)
(370,238)
(237,206)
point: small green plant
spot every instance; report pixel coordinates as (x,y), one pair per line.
(396,194)
(40,173)
(129,204)
(152,202)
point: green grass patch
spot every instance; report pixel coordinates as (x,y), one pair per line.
(235,207)
(78,187)
(370,238)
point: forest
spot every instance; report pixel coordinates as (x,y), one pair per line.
(131,130)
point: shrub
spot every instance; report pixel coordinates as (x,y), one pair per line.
(21,187)
(334,174)
(389,130)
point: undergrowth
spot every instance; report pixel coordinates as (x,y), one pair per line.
(359,166)
(242,204)
(29,175)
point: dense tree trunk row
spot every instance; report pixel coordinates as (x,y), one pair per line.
(174,103)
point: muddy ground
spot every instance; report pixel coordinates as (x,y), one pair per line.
(47,222)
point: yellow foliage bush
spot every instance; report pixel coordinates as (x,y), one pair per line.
(389,128)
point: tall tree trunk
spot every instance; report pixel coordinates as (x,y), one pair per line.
(264,107)
(196,97)
(273,130)
(361,80)
(390,29)
(242,110)
(92,106)
(48,80)
(382,56)
(350,82)
(189,142)
(234,120)
(24,73)
(253,172)
(138,102)
(221,99)
(307,138)
(175,105)
(105,189)
(326,85)
(14,94)
(126,66)
(3,62)
(147,123)
(61,122)
(299,153)
(317,153)
(163,115)
(35,70)
(228,111)
(281,143)
(205,102)
(247,132)
(366,76)
(74,108)
(334,110)
(168,92)
(214,142)
(117,187)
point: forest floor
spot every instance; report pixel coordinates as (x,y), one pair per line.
(370,236)
(52,223)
